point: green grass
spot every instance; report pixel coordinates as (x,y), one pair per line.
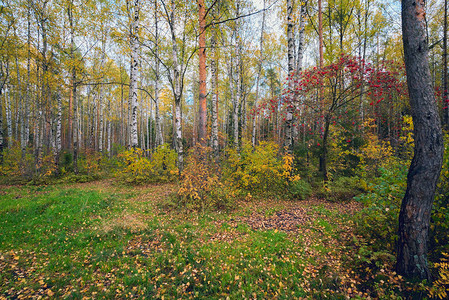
(101,240)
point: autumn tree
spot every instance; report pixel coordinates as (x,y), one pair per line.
(414,217)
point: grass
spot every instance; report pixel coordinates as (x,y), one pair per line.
(104,240)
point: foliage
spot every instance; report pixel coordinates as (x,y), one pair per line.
(136,168)
(378,220)
(200,186)
(259,170)
(341,189)
(439,227)
(300,189)
(440,286)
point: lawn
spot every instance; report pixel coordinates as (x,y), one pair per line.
(102,239)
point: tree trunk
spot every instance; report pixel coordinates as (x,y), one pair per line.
(259,72)
(214,81)
(1,127)
(177,90)
(445,87)
(288,143)
(236,73)
(157,119)
(133,75)
(202,73)
(58,129)
(414,217)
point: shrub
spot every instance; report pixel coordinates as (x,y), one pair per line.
(439,227)
(440,286)
(163,164)
(342,188)
(259,170)
(300,189)
(200,182)
(378,219)
(136,168)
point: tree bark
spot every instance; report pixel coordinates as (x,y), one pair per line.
(414,217)
(288,143)
(259,72)
(158,129)
(445,87)
(134,142)
(214,81)
(202,73)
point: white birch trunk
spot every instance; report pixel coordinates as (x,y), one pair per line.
(236,99)
(259,72)
(133,75)
(177,90)
(214,115)
(58,128)
(291,66)
(8,117)
(159,136)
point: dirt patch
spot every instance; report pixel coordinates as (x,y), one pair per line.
(294,214)
(133,222)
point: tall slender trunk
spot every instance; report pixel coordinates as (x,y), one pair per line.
(133,74)
(236,73)
(159,136)
(177,90)
(8,116)
(58,128)
(259,73)
(214,81)
(202,73)
(26,119)
(109,133)
(445,70)
(414,216)
(288,143)
(302,21)
(1,127)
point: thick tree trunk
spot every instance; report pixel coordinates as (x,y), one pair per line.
(202,73)
(133,75)
(414,217)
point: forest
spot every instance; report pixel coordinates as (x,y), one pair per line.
(224,149)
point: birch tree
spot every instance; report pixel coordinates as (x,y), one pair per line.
(134,44)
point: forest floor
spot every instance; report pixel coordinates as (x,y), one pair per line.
(102,239)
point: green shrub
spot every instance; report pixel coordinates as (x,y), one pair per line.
(300,189)
(378,220)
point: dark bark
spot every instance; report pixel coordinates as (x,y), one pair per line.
(445,92)
(414,217)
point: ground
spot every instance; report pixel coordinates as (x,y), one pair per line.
(102,239)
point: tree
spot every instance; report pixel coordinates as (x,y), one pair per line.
(414,216)
(202,72)
(134,44)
